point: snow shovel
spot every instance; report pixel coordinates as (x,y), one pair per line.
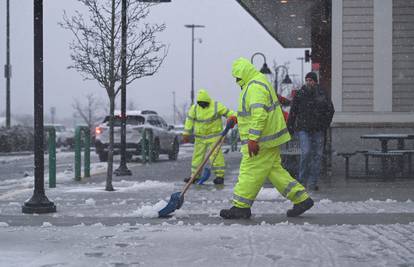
(207,171)
(177,198)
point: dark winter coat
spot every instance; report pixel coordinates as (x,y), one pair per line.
(311,110)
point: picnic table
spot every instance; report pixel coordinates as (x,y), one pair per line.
(384,138)
(389,155)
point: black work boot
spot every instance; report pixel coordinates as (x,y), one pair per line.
(236,213)
(218,180)
(300,208)
(188,179)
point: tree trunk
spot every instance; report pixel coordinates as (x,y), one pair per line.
(109,186)
(111,94)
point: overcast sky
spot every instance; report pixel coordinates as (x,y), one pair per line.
(230,33)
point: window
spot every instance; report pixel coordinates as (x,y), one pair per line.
(131,120)
(162,122)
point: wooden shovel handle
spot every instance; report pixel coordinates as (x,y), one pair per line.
(198,171)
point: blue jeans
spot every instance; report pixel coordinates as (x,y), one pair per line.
(311,151)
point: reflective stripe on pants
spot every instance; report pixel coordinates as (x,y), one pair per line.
(255,170)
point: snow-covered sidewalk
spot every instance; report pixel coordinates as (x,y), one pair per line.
(93,227)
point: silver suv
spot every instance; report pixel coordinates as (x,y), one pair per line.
(166,141)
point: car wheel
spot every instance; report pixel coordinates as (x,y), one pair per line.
(173,155)
(155,155)
(103,156)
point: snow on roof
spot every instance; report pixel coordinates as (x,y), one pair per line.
(135,112)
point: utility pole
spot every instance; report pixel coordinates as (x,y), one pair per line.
(7,67)
(174,111)
(192,26)
(301,73)
(123,169)
(52,114)
(38,203)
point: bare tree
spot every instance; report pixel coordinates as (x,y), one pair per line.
(96,50)
(89,110)
(181,113)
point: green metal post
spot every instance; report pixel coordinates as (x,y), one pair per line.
(87,155)
(52,155)
(234,140)
(144,146)
(78,153)
(150,145)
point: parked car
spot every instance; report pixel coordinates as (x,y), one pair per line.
(64,136)
(165,140)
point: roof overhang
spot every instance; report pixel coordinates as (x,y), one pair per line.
(287,21)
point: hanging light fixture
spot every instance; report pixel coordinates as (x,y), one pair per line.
(264,69)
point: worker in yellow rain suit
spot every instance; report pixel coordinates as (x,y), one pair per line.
(262,130)
(204,120)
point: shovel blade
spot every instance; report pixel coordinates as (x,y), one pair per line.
(176,201)
(204,177)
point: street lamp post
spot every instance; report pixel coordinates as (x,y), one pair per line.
(192,26)
(123,169)
(285,69)
(7,67)
(38,203)
(174,108)
(301,73)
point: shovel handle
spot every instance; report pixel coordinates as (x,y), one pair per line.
(206,158)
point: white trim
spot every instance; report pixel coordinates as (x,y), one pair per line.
(336,57)
(382,55)
(373,117)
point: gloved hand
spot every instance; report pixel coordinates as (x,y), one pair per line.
(186,139)
(253,147)
(232,120)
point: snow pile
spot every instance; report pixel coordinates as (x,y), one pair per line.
(268,194)
(148,211)
(90,201)
(127,186)
(46,224)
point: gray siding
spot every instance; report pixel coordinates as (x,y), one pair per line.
(403,56)
(357,55)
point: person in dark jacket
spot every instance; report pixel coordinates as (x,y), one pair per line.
(310,115)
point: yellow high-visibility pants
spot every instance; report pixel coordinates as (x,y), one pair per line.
(201,147)
(253,173)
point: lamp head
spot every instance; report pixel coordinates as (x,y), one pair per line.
(265,69)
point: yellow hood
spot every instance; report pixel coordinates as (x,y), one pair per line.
(243,69)
(202,95)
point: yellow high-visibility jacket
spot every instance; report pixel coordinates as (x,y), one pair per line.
(259,113)
(206,123)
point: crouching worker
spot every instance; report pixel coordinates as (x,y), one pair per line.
(204,120)
(262,130)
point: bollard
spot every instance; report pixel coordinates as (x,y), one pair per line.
(150,145)
(143,145)
(87,153)
(52,155)
(78,150)
(234,140)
